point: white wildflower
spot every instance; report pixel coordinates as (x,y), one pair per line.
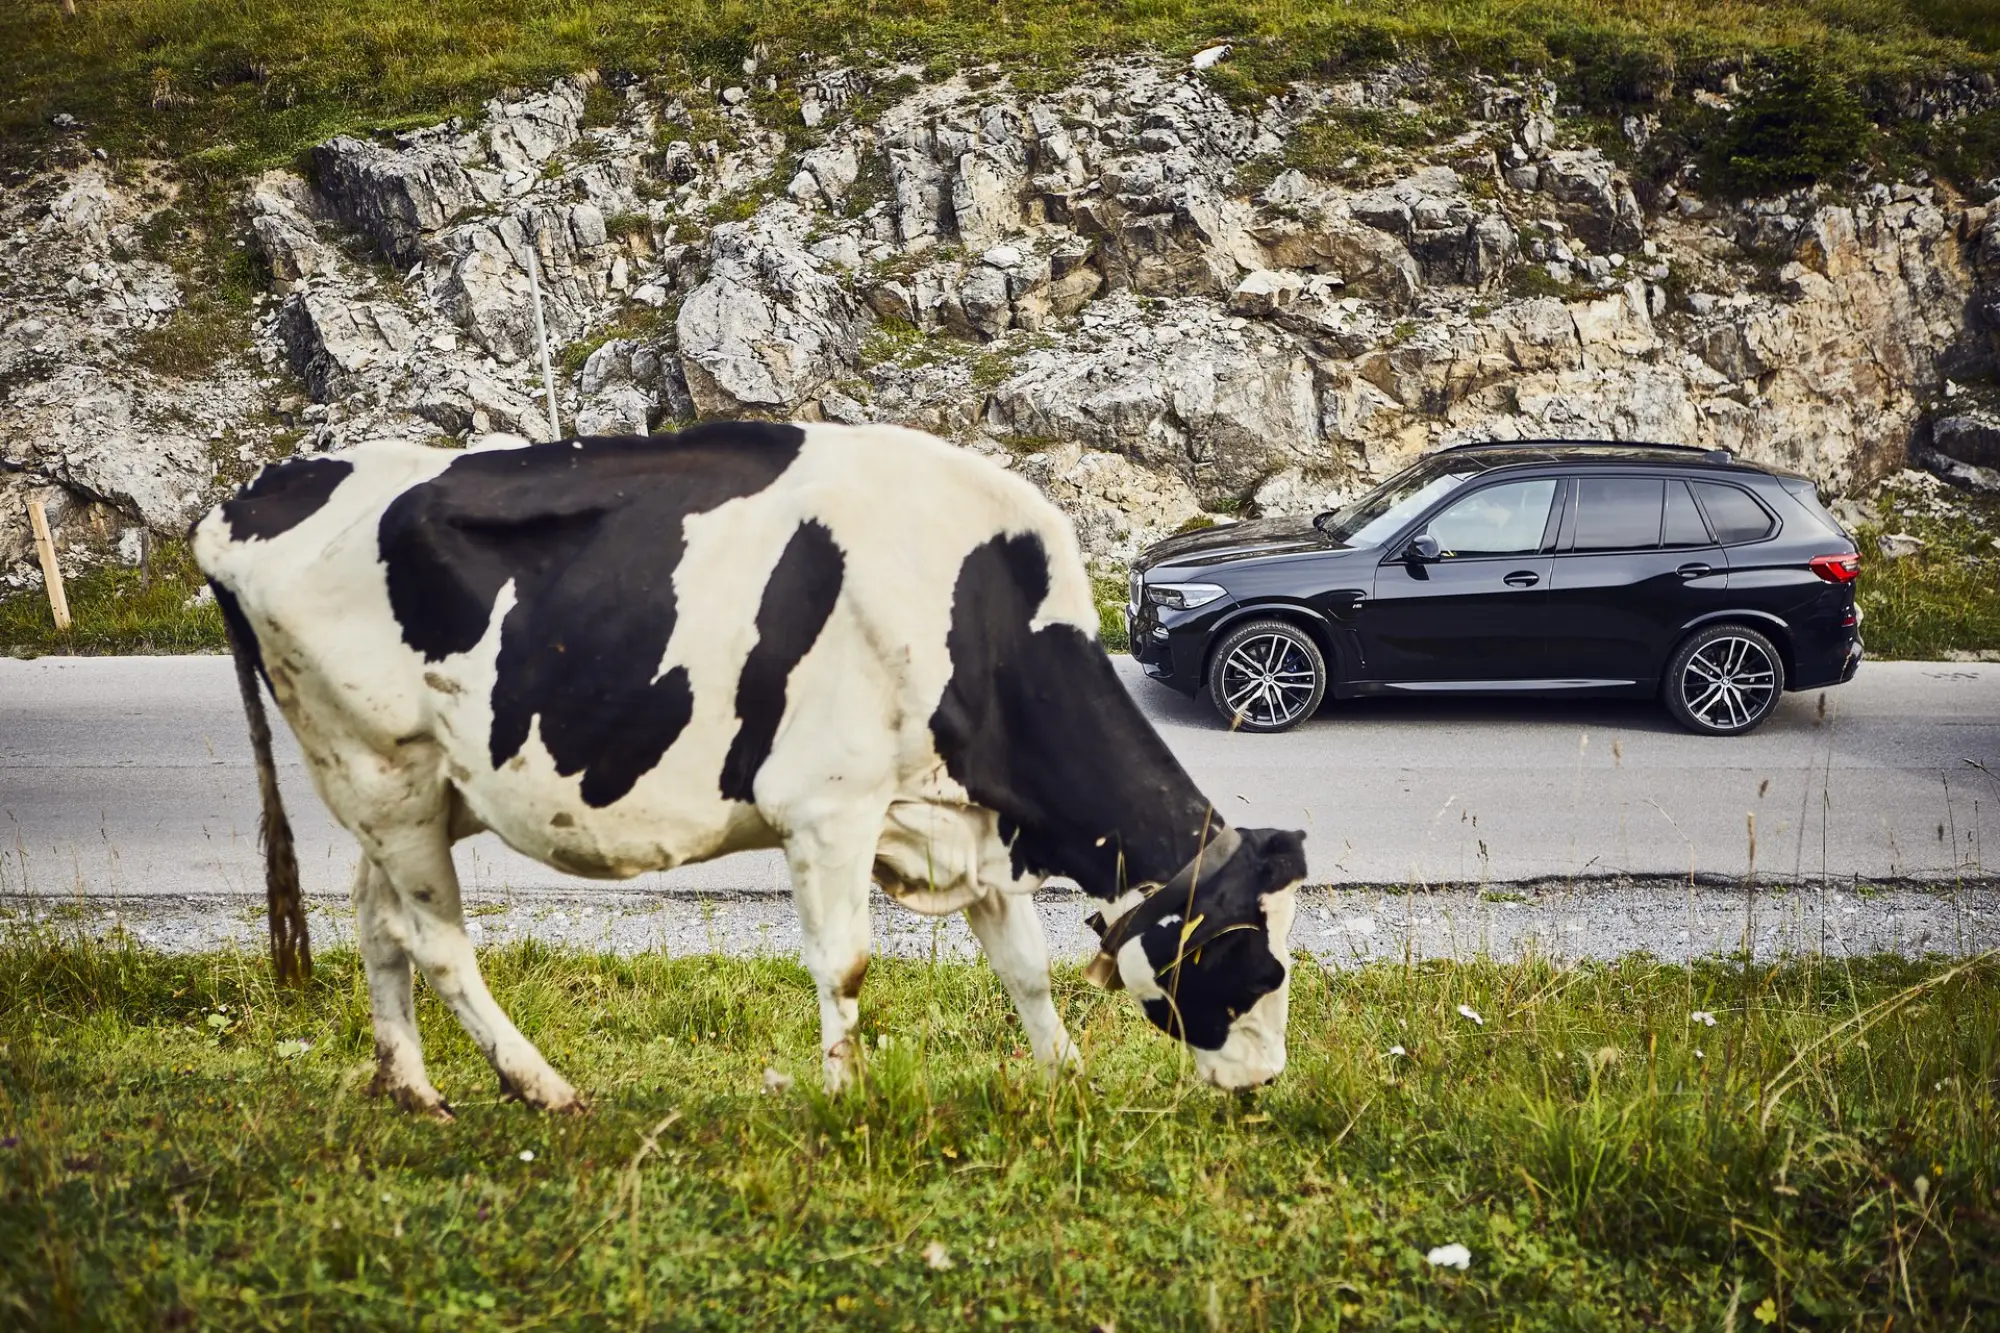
(527,1154)
(1703,1017)
(1397,1050)
(1467,1011)
(937,1257)
(1453,1255)
(775,1082)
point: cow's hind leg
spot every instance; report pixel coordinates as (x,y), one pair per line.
(381,928)
(832,869)
(1011,934)
(417,861)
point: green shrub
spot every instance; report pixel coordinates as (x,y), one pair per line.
(1798,124)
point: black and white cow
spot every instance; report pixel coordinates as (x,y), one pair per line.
(862,645)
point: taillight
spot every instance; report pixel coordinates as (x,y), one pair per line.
(1837,568)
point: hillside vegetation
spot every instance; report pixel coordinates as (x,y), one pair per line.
(227,88)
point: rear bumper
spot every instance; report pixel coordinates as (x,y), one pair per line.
(1835,665)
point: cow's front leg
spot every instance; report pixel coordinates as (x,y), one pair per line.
(1010,932)
(380,928)
(832,868)
(417,861)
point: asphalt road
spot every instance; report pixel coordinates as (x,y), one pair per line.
(131,777)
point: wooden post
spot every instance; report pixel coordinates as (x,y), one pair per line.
(45,547)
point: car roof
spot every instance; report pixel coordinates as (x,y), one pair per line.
(1521,453)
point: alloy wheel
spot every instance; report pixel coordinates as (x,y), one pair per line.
(1729,683)
(1268,681)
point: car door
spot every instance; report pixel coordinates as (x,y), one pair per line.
(1634,564)
(1473,615)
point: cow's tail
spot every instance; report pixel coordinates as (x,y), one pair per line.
(291,949)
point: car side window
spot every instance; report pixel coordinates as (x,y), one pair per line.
(1732,514)
(1507,519)
(1683,526)
(1617,513)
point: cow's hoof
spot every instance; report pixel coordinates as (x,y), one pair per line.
(422,1101)
(551,1094)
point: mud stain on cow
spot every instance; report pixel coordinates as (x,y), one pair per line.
(798,600)
(1036,726)
(442,684)
(849,987)
(589,532)
(283,496)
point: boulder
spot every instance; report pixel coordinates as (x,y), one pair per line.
(1219,407)
(1597,198)
(328,340)
(627,387)
(284,236)
(1969,436)
(768,326)
(395,199)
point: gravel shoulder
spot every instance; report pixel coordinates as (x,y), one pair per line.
(1674,920)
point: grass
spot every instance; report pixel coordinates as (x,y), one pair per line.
(1109,591)
(1827,1155)
(116,610)
(239,87)
(1946,597)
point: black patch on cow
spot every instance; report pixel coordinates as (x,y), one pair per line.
(797,602)
(283,496)
(1224,968)
(240,632)
(590,532)
(1037,727)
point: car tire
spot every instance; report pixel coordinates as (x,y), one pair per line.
(1274,672)
(1724,680)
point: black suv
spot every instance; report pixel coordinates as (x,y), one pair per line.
(1540,566)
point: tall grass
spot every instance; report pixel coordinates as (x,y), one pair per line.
(1826,1155)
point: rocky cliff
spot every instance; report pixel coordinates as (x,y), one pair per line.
(1154,303)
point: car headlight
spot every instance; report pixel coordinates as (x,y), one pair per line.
(1183,596)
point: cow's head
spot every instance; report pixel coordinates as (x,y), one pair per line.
(1206,956)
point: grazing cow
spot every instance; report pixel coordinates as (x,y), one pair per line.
(862,645)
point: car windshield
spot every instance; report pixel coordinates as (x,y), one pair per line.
(1376,516)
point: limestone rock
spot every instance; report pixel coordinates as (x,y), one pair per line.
(395,199)
(768,326)
(1597,196)
(1119,508)
(328,340)
(1969,436)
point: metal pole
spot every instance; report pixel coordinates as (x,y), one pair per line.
(542,337)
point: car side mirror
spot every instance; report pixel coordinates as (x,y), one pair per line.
(1424,547)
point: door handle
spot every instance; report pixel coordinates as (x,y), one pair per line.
(1522,578)
(1693,571)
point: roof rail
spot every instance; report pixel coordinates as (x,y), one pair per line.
(1713,455)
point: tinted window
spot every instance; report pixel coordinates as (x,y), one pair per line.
(1684,525)
(1507,519)
(1616,513)
(1733,515)
(1808,497)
